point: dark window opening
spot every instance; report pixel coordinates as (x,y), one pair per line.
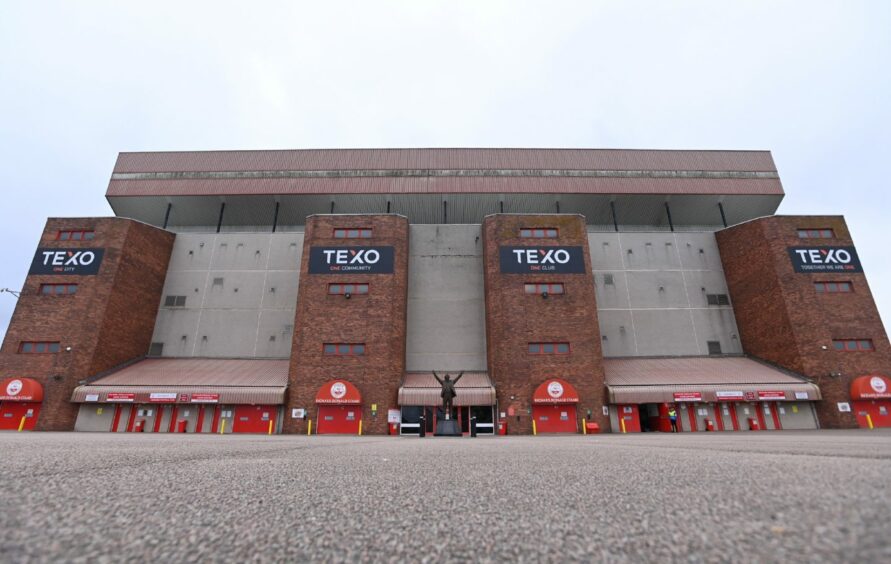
(343,349)
(175,301)
(553,288)
(853,345)
(347,289)
(714,347)
(37,347)
(718,299)
(353,233)
(539,232)
(821,233)
(548,348)
(58,289)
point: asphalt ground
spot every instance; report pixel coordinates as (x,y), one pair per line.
(770,496)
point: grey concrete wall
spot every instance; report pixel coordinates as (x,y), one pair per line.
(446,304)
(241,293)
(657,303)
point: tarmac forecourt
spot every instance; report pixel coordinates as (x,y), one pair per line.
(755,496)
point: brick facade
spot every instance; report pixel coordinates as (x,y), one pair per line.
(783,320)
(108,322)
(515,319)
(377,319)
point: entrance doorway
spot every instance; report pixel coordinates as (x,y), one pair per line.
(411,418)
(554,407)
(338,420)
(555,418)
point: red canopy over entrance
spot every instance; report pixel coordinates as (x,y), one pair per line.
(21,389)
(338,392)
(871,386)
(555,390)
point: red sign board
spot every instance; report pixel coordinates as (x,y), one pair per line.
(21,389)
(687,396)
(555,391)
(771,395)
(119,396)
(205,398)
(872,386)
(339,392)
(750,396)
(162,397)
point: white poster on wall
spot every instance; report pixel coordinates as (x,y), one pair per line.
(844,406)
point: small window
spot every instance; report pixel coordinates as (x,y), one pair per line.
(539,232)
(714,347)
(78,235)
(718,299)
(853,345)
(551,288)
(58,289)
(175,301)
(39,347)
(353,233)
(608,280)
(343,349)
(833,287)
(548,348)
(821,233)
(217,281)
(156,349)
(341,289)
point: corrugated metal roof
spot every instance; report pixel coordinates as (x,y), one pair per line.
(442,185)
(656,380)
(692,370)
(218,372)
(466,158)
(254,395)
(421,388)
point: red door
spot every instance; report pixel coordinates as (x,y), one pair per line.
(555,418)
(719,421)
(339,419)
(11,413)
(879,412)
(629,415)
(254,418)
(759,409)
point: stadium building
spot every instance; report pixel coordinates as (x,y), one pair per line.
(317,291)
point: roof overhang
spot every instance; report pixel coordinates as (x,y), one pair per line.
(260,188)
(709,379)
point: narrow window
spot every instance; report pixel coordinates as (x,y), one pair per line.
(548,348)
(539,232)
(353,233)
(38,347)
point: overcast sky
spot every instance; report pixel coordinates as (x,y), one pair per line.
(81,81)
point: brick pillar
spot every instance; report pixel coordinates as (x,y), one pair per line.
(107,322)
(514,319)
(377,319)
(783,320)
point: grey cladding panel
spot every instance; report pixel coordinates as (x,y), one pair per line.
(446,315)
(657,304)
(234,306)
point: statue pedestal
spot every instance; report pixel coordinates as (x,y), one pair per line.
(447,428)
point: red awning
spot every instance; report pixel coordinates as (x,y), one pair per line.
(338,392)
(21,389)
(871,386)
(555,391)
